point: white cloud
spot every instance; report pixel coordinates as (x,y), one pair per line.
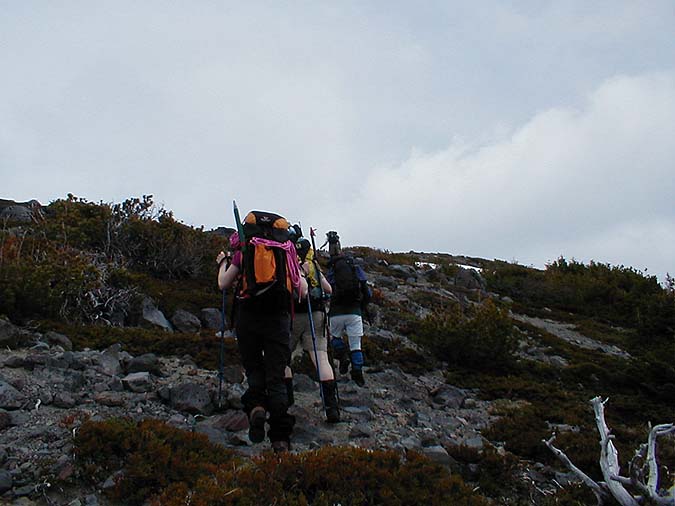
(595,183)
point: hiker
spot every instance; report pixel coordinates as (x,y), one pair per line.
(267,272)
(350,296)
(316,345)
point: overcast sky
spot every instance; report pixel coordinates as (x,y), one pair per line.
(519,130)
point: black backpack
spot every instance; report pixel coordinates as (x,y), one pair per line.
(347,286)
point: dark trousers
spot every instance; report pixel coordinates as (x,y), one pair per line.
(264,347)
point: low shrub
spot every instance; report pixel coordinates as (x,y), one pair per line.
(482,339)
(150,454)
(171,467)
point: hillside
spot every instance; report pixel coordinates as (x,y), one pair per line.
(109,383)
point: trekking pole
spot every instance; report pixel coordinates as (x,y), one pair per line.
(240,228)
(221,366)
(316,353)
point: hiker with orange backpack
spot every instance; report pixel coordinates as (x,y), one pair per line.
(266,270)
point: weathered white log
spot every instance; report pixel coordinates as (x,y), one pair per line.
(609,457)
(658,430)
(600,493)
(643,468)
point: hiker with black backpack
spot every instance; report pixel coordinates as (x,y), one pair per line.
(350,297)
(268,279)
(311,332)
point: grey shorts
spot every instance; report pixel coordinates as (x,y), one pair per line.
(302,333)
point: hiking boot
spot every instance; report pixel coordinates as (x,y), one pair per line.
(281,446)
(329,390)
(357,376)
(256,424)
(344,364)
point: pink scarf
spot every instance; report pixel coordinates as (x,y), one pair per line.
(291,257)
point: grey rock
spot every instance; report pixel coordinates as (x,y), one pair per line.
(14,336)
(231,421)
(18,418)
(439,455)
(147,362)
(10,397)
(26,490)
(403,270)
(233,374)
(469,279)
(15,362)
(115,384)
(5,419)
(61,361)
(5,481)
(54,338)
(138,382)
(109,399)
(112,480)
(64,400)
(63,379)
(234,393)
(153,317)
(36,360)
(20,212)
(558,361)
(216,436)
(448,396)
(411,443)
(360,430)
(91,500)
(109,361)
(210,318)
(303,383)
(185,321)
(191,398)
(476,442)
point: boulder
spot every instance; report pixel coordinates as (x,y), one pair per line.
(191,398)
(231,421)
(109,399)
(233,374)
(64,400)
(185,321)
(147,362)
(13,336)
(138,382)
(360,430)
(303,383)
(109,361)
(16,213)
(448,396)
(5,481)
(210,318)
(469,279)
(54,338)
(439,455)
(10,397)
(153,317)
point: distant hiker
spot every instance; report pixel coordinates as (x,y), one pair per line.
(350,296)
(333,241)
(317,347)
(267,272)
